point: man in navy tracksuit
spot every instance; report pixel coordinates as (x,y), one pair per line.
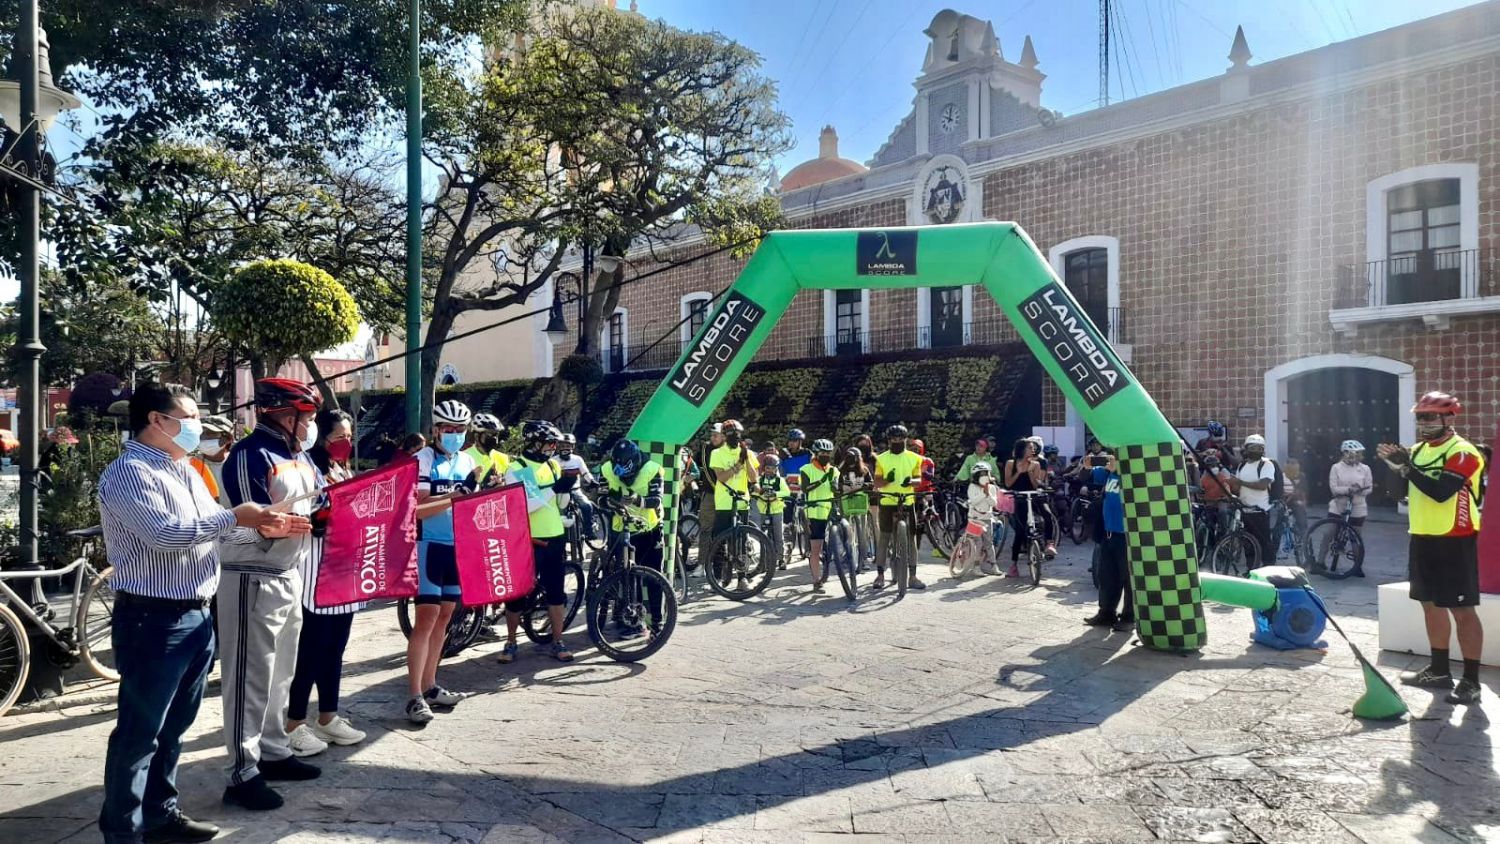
(260,594)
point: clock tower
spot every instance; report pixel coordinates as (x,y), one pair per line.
(967,90)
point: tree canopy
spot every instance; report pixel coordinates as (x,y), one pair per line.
(282,309)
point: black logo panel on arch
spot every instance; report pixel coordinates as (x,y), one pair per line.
(714,350)
(1074,343)
(886,253)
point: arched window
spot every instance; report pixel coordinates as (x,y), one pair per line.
(695,308)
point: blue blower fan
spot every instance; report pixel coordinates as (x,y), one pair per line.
(1296,621)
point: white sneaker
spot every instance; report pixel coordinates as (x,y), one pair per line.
(443,697)
(338,731)
(417,710)
(304,743)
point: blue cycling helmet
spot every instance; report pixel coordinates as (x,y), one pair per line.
(1050,450)
(1215,429)
(796,434)
(626,457)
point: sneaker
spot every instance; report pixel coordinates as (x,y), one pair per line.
(627,634)
(1427,679)
(818,584)
(442,697)
(1100,620)
(304,742)
(290,769)
(254,795)
(1051,552)
(988,568)
(560,652)
(1124,625)
(417,710)
(180,828)
(338,731)
(1466,693)
(1014,572)
(509,653)
(879,580)
(913,583)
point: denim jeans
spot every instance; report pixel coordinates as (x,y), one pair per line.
(163,658)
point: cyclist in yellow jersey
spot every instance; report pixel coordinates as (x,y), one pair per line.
(1443,472)
(820,480)
(768,504)
(733,468)
(489,433)
(634,482)
(898,473)
(538,470)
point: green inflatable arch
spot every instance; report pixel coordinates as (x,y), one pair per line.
(1000,256)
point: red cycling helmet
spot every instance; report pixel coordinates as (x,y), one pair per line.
(286,394)
(1436,402)
(919,447)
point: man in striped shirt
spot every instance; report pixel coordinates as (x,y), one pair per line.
(162,531)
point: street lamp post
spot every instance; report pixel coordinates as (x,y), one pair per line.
(30,102)
(414,220)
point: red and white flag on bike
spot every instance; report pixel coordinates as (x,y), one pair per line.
(370,545)
(492,545)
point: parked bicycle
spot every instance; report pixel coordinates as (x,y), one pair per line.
(470,623)
(1235,552)
(1290,540)
(85,633)
(840,547)
(1335,548)
(741,560)
(902,555)
(632,609)
(1081,516)
(1035,530)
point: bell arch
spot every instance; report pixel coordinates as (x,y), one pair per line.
(1073,351)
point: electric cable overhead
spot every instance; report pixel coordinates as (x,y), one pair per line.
(848,31)
(1132,52)
(799,63)
(1155,50)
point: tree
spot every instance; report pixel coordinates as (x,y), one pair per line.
(279,310)
(100,326)
(607,130)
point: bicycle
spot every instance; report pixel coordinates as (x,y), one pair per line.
(970,549)
(839,547)
(1081,516)
(741,561)
(795,529)
(1285,535)
(623,597)
(1337,542)
(90,617)
(1035,530)
(938,533)
(1235,552)
(902,554)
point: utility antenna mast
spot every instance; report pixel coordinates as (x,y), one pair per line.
(1103,53)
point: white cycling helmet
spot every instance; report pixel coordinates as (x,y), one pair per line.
(1351,445)
(488,422)
(452,412)
(1255,439)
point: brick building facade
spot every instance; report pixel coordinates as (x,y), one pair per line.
(1297,247)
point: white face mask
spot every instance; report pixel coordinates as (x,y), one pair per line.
(209,448)
(310,438)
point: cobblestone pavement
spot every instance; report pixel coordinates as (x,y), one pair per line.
(981,711)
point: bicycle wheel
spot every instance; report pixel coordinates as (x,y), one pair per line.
(955,514)
(463,629)
(903,552)
(620,618)
(838,553)
(938,534)
(15,658)
(961,561)
(403,616)
(1335,549)
(741,563)
(1202,534)
(1034,562)
(601,531)
(1234,555)
(1078,521)
(680,581)
(94,627)
(537,621)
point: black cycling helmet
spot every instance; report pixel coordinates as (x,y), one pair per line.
(539,432)
(896,432)
(286,394)
(626,458)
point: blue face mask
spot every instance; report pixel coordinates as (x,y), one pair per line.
(452,443)
(189,434)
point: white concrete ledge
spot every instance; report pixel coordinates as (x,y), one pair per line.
(1402,629)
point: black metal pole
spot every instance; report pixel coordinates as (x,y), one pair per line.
(31,348)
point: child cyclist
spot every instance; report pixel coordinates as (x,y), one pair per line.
(768,504)
(984,500)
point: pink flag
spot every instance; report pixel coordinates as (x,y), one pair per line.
(370,548)
(492,545)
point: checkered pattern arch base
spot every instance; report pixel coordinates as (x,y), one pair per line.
(671,470)
(1163,558)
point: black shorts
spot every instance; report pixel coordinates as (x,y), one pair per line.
(1444,570)
(817,528)
(437,574)
(550,571)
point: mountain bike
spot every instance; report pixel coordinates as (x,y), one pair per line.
(795,529)
(1235,552)
(1080,516)
(902,555)
(86,634)
(632,609)
(955,506)
(840,551)
(939,535)
(469,623)
(1335,548)
(1035,530)
(741,560)
(1291,543)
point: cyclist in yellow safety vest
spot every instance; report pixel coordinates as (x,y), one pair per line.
(634,484)
(488,434)
(820,481)
(733,468)
(898,471)
(538,470)
(1442,472)
(768,505)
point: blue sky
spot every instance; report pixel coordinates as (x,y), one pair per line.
(851,62)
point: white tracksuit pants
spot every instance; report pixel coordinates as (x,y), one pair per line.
(260,617)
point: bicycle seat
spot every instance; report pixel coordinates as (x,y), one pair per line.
(87,533)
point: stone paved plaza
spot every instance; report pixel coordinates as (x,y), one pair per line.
(981,711)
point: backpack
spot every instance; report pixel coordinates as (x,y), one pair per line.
(1278,482)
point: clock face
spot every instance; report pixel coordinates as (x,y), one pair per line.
(948,122)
